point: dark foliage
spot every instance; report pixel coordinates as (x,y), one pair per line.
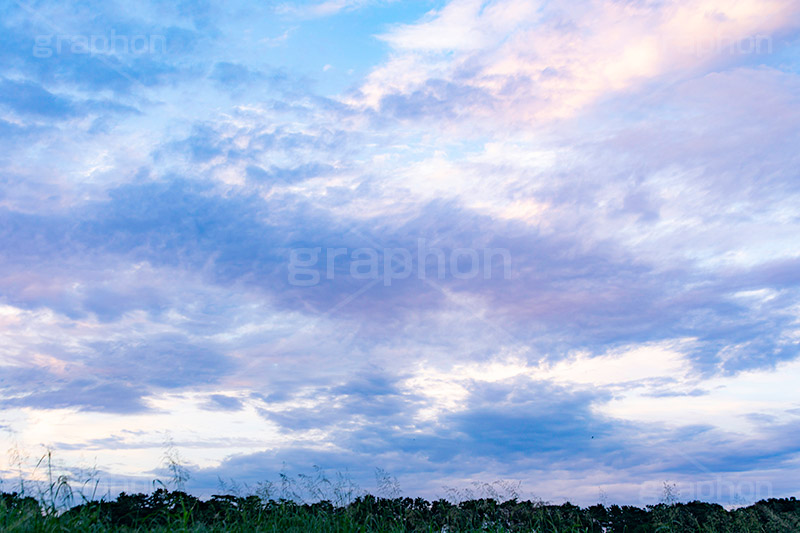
(164,510)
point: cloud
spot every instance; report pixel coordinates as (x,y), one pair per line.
(30,98)
(322,9)
(85,395)
(541,62)
(224,403)
(633,162)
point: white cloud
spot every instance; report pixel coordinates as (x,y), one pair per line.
(547,61)
(726,403)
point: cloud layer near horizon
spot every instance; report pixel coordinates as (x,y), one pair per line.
(635,162)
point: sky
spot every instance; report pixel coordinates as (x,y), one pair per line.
(464,244)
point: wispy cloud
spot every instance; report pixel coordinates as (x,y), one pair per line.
(323,9)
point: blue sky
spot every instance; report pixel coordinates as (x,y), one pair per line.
(467,241)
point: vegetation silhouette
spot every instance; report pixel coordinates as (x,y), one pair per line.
(315,503)
(165,510)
